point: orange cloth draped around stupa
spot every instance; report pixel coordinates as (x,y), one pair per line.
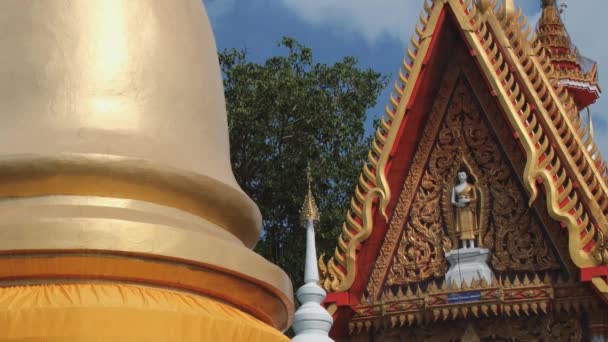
(105,312)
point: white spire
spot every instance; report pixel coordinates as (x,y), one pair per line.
(311,322)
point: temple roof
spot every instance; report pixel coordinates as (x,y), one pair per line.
(562,162)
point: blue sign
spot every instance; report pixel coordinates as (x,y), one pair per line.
(464,297)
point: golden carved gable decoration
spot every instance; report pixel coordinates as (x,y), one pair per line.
(562,161)
(559,327)
(508,226)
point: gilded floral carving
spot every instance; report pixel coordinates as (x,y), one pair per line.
(509,227)
(527,329)
(411,181)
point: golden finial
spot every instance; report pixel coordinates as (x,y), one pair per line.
(509,8)
(547,3)
(309,208)
(485,4)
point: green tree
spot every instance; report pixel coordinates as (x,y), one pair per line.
(283,114)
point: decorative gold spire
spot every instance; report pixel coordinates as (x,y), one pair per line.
(309,208)
(548,3)
(551,29)
(485,4)
(509,9)
(579,79)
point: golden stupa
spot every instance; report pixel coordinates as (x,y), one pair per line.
(120,218)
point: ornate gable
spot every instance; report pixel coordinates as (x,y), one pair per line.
(465,126)
(522,138)
(460,137)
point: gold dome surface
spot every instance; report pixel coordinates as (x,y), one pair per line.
(128,78)
(136,80)
(114,152)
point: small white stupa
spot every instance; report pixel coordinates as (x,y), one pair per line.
(311,322)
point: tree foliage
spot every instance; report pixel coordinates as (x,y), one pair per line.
(283,114)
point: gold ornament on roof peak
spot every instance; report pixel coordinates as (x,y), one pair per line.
(551,14)
(548,3)
(309,208)
(509,9)
(485,4)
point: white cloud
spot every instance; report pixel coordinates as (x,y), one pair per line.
(372,20)
(395,20)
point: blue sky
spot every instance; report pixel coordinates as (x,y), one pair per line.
(377,31)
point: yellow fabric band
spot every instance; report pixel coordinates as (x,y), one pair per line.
(108,312)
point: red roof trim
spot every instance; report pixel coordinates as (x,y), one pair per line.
(401,158)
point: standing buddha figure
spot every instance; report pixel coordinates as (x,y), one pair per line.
(464,200)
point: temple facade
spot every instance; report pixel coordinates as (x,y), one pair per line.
(481,212)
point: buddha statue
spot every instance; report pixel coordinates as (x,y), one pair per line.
(465,202)
(465,222)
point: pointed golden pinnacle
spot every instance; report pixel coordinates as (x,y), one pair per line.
(309,208)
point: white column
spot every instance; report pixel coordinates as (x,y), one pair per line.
(311,322)
(311,269)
